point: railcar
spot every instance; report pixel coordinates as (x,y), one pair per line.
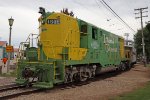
(130,53)
(68,50)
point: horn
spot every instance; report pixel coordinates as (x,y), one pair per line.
(42,10)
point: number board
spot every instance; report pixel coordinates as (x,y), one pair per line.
(53,21)
(9,49)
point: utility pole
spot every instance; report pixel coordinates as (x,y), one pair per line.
(141,11)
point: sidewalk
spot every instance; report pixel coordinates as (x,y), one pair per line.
(4,69)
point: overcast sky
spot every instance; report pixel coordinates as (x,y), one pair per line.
(25,14)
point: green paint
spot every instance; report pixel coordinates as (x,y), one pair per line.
(103,48)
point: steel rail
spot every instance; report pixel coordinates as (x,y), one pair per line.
(10,87)
(21,92)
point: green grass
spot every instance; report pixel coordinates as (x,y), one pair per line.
(11,74)
(148,65)
(139,94)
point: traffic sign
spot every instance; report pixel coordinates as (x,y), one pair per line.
(9,49)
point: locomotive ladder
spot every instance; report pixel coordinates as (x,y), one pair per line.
(58,72)
(57,65)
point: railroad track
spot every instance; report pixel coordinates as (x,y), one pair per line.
(10,87)
(13,90)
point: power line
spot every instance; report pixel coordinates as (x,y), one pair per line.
(102,4)
(110,10)
(83,6)
(118,16)
(107,9)
(93,11)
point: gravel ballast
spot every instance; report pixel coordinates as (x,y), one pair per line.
(6,80)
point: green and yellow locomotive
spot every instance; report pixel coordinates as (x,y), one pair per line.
(69,49)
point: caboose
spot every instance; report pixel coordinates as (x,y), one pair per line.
(68,50)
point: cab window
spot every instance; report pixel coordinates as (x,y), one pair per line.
(84,28)
(94,33)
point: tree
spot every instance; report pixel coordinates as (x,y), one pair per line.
(138,41)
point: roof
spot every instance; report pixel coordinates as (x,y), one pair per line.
(16,49)
(2,43)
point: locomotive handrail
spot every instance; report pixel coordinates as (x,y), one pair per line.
(22,49)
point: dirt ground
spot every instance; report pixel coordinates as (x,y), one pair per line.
(99,90)
(5,81)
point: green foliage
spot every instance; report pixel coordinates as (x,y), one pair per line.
(139,94)
(138,41)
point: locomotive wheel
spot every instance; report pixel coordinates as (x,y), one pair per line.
(83,77)
(76,77)
(123,67)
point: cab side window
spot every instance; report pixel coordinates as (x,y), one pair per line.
(94,33)
(84,28)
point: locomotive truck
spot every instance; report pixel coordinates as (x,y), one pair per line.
(68,50)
